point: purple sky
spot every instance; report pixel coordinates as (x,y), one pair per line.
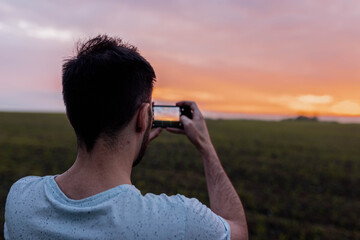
(262,53)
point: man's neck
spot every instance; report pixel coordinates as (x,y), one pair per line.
(97,171)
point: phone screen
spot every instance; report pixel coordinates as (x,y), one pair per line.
(167,113)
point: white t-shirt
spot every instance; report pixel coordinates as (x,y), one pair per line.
(36,208)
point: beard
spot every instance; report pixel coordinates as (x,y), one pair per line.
(145,142)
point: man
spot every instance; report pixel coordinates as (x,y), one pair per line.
(107,91)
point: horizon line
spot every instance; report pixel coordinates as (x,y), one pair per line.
(224,116)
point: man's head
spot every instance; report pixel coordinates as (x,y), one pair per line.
(103,87)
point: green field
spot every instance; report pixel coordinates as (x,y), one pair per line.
(297,180)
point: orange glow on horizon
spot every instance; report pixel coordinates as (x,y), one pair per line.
(228,102)
(216,87)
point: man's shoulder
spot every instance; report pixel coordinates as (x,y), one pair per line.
(178,203)
(163,203)
(196,218)
(25,185)
(164,197)
(172,200)
(26,181)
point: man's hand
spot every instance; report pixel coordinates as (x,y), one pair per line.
(195,128)
(224,199)
(154,134)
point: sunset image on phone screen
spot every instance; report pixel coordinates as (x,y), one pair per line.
(166,114)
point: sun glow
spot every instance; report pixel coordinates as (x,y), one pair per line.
(247,102)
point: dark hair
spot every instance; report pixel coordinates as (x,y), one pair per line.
(103,86)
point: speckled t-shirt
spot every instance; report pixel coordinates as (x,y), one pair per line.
(36,208)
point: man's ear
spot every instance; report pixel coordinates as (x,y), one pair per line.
(142,120)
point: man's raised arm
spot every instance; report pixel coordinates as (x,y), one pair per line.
(224,199)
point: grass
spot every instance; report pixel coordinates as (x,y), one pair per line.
(297,180)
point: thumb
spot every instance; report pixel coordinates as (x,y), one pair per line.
(185,120)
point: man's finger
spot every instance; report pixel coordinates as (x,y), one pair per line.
(175,130)
(154,133)
(195,109)
(185,120)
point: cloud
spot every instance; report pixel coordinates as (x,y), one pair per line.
(314,99)
(346,107)
(318,104)
(307,103)
(44,32)
(33,30)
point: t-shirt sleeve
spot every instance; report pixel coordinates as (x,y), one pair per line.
(202,223)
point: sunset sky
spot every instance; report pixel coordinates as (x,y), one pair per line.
(248,57)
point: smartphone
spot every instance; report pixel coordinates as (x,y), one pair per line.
(169,116)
